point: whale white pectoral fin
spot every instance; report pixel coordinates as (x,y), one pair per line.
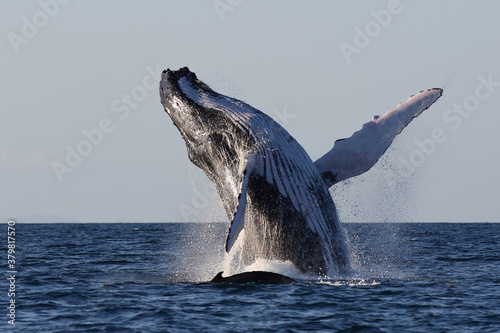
(238,221)
(357,154)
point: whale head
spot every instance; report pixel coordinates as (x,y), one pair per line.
(201,114)
(179,91)
(214,127)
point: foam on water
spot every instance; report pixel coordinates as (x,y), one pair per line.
(286,268)
(349,283)
(233,264)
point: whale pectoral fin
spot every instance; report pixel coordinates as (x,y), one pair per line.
(238,221)
(357,154)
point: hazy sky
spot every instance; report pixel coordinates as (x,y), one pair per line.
(83,134)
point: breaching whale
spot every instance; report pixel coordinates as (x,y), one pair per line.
(268,184)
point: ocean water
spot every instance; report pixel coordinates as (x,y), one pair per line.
(414,277)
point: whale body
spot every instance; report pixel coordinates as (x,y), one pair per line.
(268,184)
(259,277)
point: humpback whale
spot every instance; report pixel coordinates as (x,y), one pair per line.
(268,184)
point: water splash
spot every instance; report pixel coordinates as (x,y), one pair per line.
(233,261)
(375,250)
(203,256)
(349,283)
(233,264)
(199,252)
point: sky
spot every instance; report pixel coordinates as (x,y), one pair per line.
(83,136)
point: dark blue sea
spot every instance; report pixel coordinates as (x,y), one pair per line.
(407,277)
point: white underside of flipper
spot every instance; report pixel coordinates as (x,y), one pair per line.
(238,221)
(357,154)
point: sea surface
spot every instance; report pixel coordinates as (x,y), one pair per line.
(407,277)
